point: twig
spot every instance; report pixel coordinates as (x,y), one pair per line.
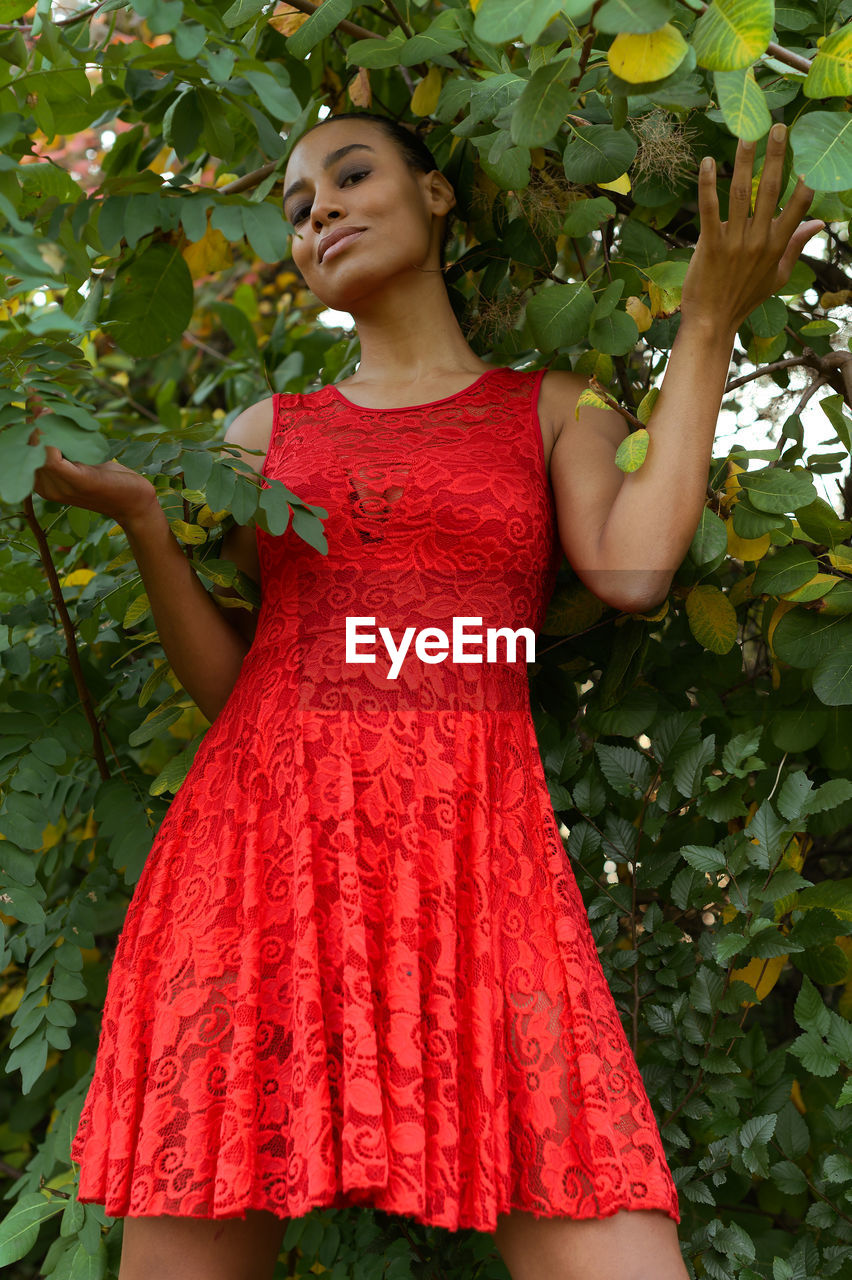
(61,22)
(403,25)
(351,28)
(70,638)
(769,368)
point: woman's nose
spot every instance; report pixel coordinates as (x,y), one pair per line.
(325,207)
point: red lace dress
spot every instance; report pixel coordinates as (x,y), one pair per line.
(357,969)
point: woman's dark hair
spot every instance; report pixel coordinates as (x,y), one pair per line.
(414,151)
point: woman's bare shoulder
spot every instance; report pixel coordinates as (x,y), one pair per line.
(252,430)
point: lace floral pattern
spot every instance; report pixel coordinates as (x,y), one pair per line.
(357,968)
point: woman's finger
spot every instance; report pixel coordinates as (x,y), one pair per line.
(794,210)
(769,187)
(739,197)
(708,199)
(797,243)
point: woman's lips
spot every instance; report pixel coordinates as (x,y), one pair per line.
(341,244)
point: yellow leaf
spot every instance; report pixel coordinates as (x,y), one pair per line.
(649,56)
(712,618)
(136,610)
(761,975)
(829,300)
(592,399)
(209,254)
(664,300)
(732,484)
(474,4)
(360,93)
(741,590)
(797,1099)
(209,519)
(11,1000)
(538,156)
(632,451)
(841,558)
(193,533)
(654,617)
(286,20)
(161,160)
(424,100)
(573,610)
(621,184)
(818,586)
(643,320)
(78,578)
(746,548)
(780,609)
(225,178)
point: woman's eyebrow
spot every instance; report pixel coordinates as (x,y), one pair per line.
(326,164)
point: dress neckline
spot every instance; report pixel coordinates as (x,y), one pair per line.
(331,386)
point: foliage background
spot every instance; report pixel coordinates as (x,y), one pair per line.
(700,758)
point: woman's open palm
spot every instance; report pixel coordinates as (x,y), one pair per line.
(739,263)
(108,488)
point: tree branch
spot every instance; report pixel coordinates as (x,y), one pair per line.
(70,638)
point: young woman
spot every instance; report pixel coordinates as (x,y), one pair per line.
(357,968)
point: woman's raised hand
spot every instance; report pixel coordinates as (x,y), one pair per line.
(739,263)
(109,488)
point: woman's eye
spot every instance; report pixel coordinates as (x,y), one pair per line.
(305,209)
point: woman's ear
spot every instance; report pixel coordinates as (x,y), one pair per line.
(441,192)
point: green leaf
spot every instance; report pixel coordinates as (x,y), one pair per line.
(803,637)
(832,793)
(265,231)
(710,539)
(768,318)
(737,754)
(792,1132)
(151,301)
(822,149)
(633,15)
(441,37)
(559,315)
(598,153)
(382,52)
(814,1055)
(793,796)
(742,103)
(704,857)
(615,334)
(775,489)
(585,215)
(218,136)
(810,1011)
(830,75)
(757,1131)
(19,1228)
(821,522)
(499,21)
(785,569)
(832,678)
(626,770)
(731,34)
(320,24)
(542,106)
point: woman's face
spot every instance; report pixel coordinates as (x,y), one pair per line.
(352,175)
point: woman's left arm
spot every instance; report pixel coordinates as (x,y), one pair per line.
(736,265)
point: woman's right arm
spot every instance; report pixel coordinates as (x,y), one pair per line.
(204,650)
(203,647)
